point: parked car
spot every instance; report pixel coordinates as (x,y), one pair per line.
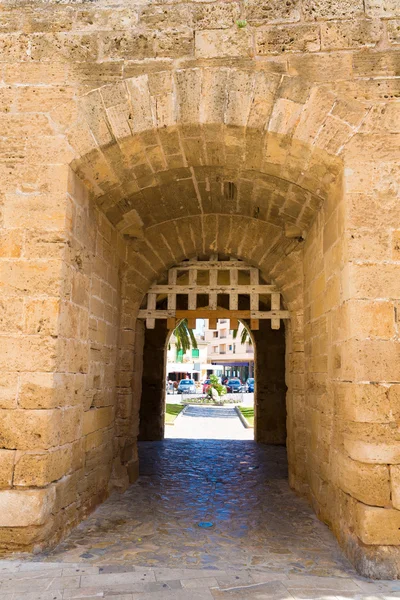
(186,386)
(234,385)
(250,384)
(206,386)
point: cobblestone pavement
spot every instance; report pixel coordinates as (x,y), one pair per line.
(263,541)
(209,422)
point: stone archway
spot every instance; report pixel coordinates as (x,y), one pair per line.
(199,288)
(164,166)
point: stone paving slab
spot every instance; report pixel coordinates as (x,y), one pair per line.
(21,580)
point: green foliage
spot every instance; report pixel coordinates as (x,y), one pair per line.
(245,337)
(214,383)
(184,337)
(241,23)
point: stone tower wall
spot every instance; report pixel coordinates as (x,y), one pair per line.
(122,124)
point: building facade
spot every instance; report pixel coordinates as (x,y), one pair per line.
(227,352)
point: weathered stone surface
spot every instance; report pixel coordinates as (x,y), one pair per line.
(229,43)
(263,12)
(40,469)
(25,508)
(378,526)
(288,38)
(338,35)
(332,9)
(368,483)
(134,137)
(370,452)
(7,458)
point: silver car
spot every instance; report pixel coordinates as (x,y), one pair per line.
(186,386)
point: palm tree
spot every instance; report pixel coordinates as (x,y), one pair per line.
(184,336)
(245,336)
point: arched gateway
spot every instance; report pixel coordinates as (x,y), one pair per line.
(216,288)
(137,137)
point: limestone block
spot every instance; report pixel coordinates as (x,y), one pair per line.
(166,16)
(321,67)
(374,453)
(11,244)
(132,45)
(41,316)
(229,43)
(393,31)
(44,390)
(29,429)
(371,360)
(394,401)
(382,8)
(7,458)
(22,508)
(261,12)
(396,245)
(363,403)
(11,315)
(368,483)
(337,35)
(285,116)
(216,16)
(97,418)
(332,9)
(30,277)
(288,38)
(395,486)
(8,389)
(40,469)
(30,353)
(370,64)
(66,46)
(377,526)
(35,211)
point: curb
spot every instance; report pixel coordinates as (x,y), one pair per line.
(173,422)
(242,418)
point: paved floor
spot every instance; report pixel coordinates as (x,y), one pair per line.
(207,520)
(209,422)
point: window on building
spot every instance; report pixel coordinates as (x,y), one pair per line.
(230,348)
(179,356)
(195,353)
(223,333)
(215,334)
(215,349)
(222,349)
(234,348)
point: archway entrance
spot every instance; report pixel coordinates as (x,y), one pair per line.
(213,288)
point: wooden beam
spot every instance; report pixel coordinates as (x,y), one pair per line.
(254,324)
(213,288)
(171,323)
(151,306)
(275,305)
(192,297)
(220,313)
(234,323)
(192,323)
(206,265)
(212,323)
(172,275)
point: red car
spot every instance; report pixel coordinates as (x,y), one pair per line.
(206,386)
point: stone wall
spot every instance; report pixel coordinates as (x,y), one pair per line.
(242,128)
